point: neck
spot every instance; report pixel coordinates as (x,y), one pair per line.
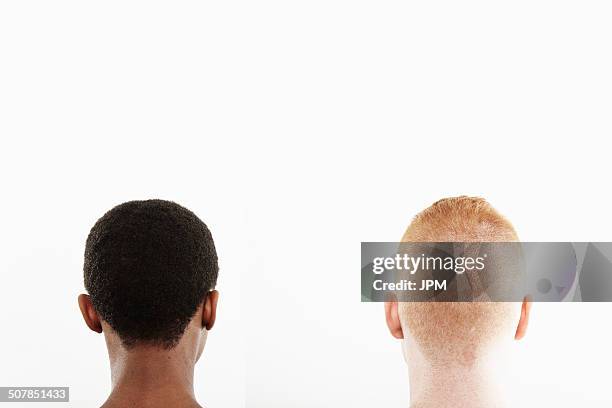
(151,377)
(450,384)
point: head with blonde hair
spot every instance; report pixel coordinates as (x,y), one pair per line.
(457,332)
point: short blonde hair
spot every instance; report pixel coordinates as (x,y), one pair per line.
(460,219)
(456,330)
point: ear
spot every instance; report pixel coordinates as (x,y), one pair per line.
(89,313)
(393,320)
(209,313)
(521,329)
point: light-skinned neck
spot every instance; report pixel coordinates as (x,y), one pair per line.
(151,376)
(456,365)
(451,384)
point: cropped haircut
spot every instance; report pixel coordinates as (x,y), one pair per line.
(457,330)
(148,266)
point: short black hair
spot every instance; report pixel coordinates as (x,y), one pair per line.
(148,266)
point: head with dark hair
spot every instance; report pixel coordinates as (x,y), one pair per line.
(149,267)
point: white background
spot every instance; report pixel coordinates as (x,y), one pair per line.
(296,130)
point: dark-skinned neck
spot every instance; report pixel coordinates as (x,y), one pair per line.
(151,377)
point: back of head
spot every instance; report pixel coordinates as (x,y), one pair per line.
(148,266)
(457,331)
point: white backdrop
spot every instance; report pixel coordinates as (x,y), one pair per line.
(103,103)
(296,130)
